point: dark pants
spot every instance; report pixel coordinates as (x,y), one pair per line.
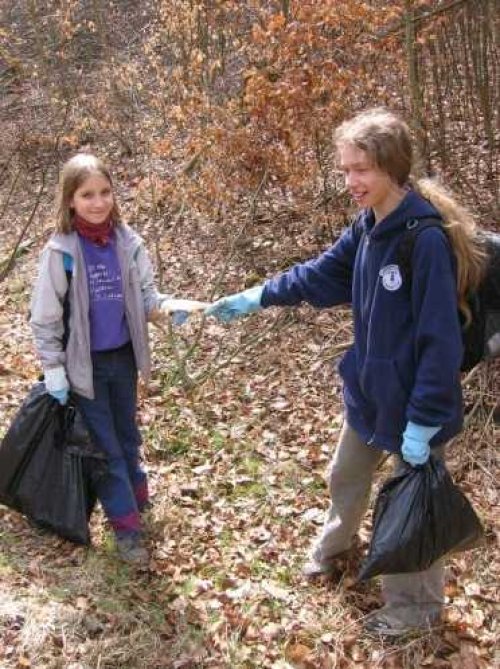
(111,419)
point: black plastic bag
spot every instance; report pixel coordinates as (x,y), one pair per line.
(419,516)
(49,466)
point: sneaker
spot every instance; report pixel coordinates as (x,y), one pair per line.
(334,568)
(313,570)
(378,625)
(129,550)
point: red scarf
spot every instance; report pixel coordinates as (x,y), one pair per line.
(97,233)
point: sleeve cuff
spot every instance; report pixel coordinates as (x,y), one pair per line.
(420,432)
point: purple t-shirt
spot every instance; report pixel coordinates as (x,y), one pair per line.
(108,323)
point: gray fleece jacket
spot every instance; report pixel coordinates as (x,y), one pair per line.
(140,296)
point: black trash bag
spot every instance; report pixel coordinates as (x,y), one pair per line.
(419,516)
(49,467)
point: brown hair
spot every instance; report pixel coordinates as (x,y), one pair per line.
(386,139)
(74,172)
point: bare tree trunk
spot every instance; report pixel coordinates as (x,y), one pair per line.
(37,32)
(416,96)
(484,82)
(441,118)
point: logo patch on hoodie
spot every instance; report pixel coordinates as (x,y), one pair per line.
(391,277)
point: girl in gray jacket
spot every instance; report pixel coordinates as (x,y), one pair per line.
(98,349)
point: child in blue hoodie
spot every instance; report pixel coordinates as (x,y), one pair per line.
(401,377)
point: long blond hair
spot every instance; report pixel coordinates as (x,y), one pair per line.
(73,174)
(386,139)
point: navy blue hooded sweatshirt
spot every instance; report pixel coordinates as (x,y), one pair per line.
(405,361)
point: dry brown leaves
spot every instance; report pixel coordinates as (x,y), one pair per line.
(237,474)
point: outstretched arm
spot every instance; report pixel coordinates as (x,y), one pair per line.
(323,282)
(157,305)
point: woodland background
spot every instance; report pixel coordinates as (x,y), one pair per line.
(216,117)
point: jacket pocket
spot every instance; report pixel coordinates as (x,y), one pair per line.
(353,395)
(381,384)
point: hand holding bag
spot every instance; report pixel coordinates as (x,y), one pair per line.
(419,517)
(49,466)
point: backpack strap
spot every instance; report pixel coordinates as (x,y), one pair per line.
(409,237)
(68,264)
(68,268)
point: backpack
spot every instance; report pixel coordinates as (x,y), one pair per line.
(481,338)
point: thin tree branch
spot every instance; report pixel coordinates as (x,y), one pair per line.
(382,34)
(11,261)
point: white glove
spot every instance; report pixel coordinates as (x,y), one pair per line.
(180,310)
(56,383)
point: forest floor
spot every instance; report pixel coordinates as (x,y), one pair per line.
(237,472)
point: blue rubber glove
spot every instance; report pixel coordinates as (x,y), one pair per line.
(415,448)
(56,383)
(240,304)
(60,395)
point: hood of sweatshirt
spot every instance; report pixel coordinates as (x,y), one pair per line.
(412,207)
